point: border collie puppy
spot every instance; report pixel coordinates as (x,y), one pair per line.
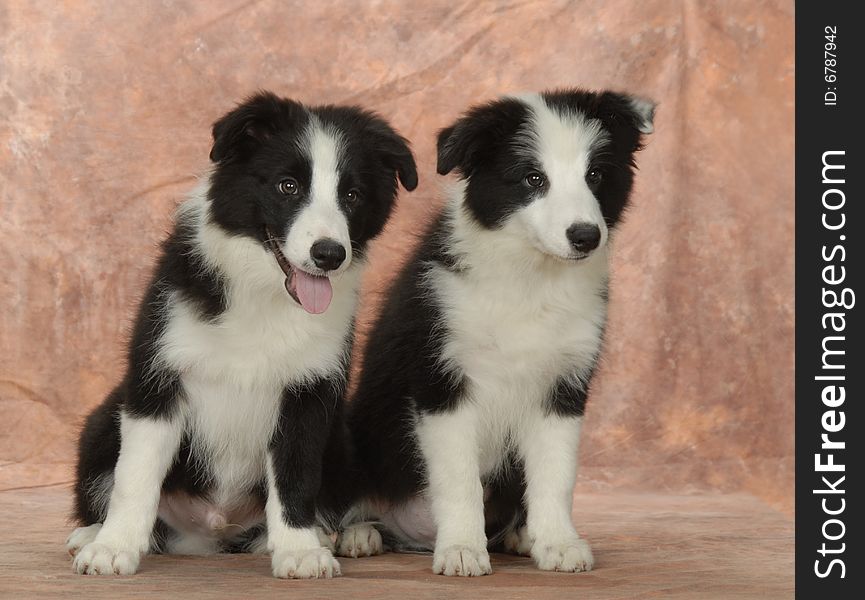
(226,433)
(468,410)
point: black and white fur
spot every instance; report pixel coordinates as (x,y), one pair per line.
(226,433)
(468,410)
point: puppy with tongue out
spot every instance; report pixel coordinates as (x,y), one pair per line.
(250,376)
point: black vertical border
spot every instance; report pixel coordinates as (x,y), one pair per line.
(821,128)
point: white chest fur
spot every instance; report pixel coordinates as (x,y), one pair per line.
(234,368)
(516,321)
(511,330)
(234,371)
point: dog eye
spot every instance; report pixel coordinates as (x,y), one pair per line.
(594,176)
(352,196)
(287,187)
(535,179)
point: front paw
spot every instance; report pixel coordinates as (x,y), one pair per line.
(101,559)
(517,541)
(568,557)
(463,561)
(305,564)
(361,539)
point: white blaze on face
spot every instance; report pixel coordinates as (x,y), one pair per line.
(562,144)
(321,218)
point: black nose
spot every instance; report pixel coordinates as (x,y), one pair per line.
(584,237)
(327,254)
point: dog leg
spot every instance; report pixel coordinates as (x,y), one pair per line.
(297,550)
(294,468)
(449,446)
(148,447)
(549,447)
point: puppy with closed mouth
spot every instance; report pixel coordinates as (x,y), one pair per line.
(468,410)
(226,433)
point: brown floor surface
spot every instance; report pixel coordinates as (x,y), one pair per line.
(646,546)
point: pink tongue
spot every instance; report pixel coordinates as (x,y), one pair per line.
(314,293)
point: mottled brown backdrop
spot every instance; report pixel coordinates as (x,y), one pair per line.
(105,113)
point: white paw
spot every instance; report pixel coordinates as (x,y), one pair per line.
(462,560)
(99,559)
(569,557)
(517,541)
(305,564)
(324,539)
(359,540)
(81,537)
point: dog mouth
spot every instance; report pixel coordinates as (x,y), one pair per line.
(565,259)
(312,292)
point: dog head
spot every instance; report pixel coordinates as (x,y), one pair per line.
(312,184)
(555,168)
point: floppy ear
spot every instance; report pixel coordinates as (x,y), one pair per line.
(450,149)
(459,144)
(395,152)
(241,131)
(462,144)
(636,111)
(643,113)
